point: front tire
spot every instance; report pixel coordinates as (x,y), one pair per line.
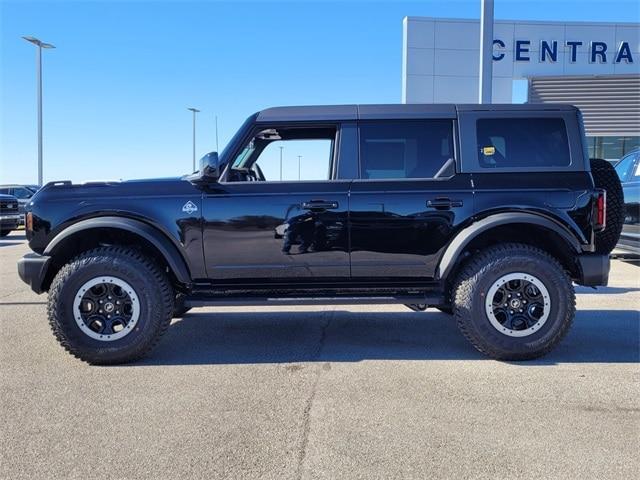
(110,305)
(514,302)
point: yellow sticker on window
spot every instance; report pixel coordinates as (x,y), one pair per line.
(488,150)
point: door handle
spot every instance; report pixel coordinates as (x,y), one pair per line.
(443,203)
(319,205)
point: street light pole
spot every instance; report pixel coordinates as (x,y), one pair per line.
(281,148)
(486,52)
(299,157)
(194,110)
(40,46)
(217,148)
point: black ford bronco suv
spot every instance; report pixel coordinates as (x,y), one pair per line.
(486,212)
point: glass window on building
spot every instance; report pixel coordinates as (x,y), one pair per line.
(611,148)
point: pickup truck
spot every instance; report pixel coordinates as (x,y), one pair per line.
(489,213)
(9,214)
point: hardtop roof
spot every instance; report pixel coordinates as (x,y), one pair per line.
(395,111)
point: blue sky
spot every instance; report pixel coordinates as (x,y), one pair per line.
(118,83)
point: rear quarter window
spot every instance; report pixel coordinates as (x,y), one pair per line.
(522,143)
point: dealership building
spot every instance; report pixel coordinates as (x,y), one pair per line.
(595,66)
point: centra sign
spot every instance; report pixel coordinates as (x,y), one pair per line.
(598,52)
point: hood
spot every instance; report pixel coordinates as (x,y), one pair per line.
(87,191)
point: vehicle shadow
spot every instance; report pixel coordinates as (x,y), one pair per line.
(341,336)
(8,244)
(604,290)
(13,304)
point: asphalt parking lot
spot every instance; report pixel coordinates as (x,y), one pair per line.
(336,392)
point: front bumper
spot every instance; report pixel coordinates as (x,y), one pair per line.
(595,269)
(32,269)
(9,221)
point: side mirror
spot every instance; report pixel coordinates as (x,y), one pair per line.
(210,166)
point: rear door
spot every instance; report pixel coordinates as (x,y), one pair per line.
(408,200)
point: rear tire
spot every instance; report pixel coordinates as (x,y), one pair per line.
(605,176)
(118,280)
(529,328)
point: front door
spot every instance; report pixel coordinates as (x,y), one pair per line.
(409,201)
(278,213)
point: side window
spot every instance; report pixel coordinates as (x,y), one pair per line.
(624,167)
(301,160)
(22,193)
(406,149)
(522,143)
(286,154)
(4,191)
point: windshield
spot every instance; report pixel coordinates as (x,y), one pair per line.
(244,156)
(236,138)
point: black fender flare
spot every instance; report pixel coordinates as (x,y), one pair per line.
(466,235)
(157,238)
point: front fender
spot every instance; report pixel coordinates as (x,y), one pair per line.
(171,253)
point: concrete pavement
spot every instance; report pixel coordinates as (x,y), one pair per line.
(321,392)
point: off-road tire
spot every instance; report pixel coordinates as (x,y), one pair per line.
(155,294)
(179,309)
(605,176)
(477,277)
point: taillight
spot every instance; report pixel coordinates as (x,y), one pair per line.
(28,222)
(601,210)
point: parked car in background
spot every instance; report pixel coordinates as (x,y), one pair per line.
(9,215)
(23,193)
(628,169)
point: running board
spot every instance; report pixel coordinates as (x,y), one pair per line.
(315,300)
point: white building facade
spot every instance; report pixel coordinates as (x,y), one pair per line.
(595,66)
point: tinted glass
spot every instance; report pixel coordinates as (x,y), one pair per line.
(406,149)
(22,193)
(624,166)
(612,148)
(522,143)
(5,191)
